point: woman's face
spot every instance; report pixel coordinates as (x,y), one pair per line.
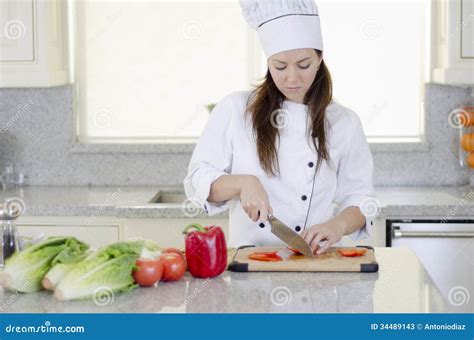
(294,71)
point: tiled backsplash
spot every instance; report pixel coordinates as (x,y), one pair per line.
(38,137)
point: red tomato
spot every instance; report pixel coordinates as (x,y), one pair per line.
(149,272)
(174,266)
(352,252)
(173,251)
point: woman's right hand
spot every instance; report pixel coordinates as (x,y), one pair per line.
(254,198)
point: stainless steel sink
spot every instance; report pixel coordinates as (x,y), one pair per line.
(168,198)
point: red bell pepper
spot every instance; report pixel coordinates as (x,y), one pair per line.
(206,250)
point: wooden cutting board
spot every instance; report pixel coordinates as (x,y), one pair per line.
(330,261)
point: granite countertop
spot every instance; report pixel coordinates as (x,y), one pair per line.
(401,286)
(134,202)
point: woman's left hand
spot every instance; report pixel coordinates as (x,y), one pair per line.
(331,232)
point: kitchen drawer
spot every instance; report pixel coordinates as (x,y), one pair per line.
(167,232)
(96,234)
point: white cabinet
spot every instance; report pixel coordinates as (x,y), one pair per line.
(17,31)
(167,232)
(453,42)
(33,43)
(467,31)
(95,231)
(98,231)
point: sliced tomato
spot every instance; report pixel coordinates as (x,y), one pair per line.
(268,253)
(347,252)
(260,257)
(296,251)
(265,256)
(352,252)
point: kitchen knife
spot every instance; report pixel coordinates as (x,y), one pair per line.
(291,238)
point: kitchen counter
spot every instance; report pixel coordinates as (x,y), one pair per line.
(401,286)
(134,202)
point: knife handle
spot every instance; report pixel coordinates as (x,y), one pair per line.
(269,216)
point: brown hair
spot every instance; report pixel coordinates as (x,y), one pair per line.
(266,98)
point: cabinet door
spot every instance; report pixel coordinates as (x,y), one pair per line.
(95,235)
(34,43)
(16,31)
(167,232)
(467,29)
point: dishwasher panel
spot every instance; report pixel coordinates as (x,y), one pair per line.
(446,249)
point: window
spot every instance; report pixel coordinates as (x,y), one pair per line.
(146,71)
(377,54)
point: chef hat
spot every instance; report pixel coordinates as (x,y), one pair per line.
(284,25)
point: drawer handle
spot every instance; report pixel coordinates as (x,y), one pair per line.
(397,233)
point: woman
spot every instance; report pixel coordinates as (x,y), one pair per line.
(285,148)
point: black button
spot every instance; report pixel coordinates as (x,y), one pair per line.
(304,197)
(310,164)
(297,228)
(262,225)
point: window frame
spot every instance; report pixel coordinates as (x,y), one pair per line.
(178,145)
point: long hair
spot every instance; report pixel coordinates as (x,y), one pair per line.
(266,99)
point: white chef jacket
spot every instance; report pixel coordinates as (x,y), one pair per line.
(227,146)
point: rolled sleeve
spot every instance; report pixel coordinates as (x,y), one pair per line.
(355,178)
(211,159)
(198,187)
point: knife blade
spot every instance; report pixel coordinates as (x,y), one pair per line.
(290,237)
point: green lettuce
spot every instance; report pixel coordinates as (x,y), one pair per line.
(59,272)
(107,271)
(25,270)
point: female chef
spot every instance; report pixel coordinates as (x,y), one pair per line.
(285,148)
